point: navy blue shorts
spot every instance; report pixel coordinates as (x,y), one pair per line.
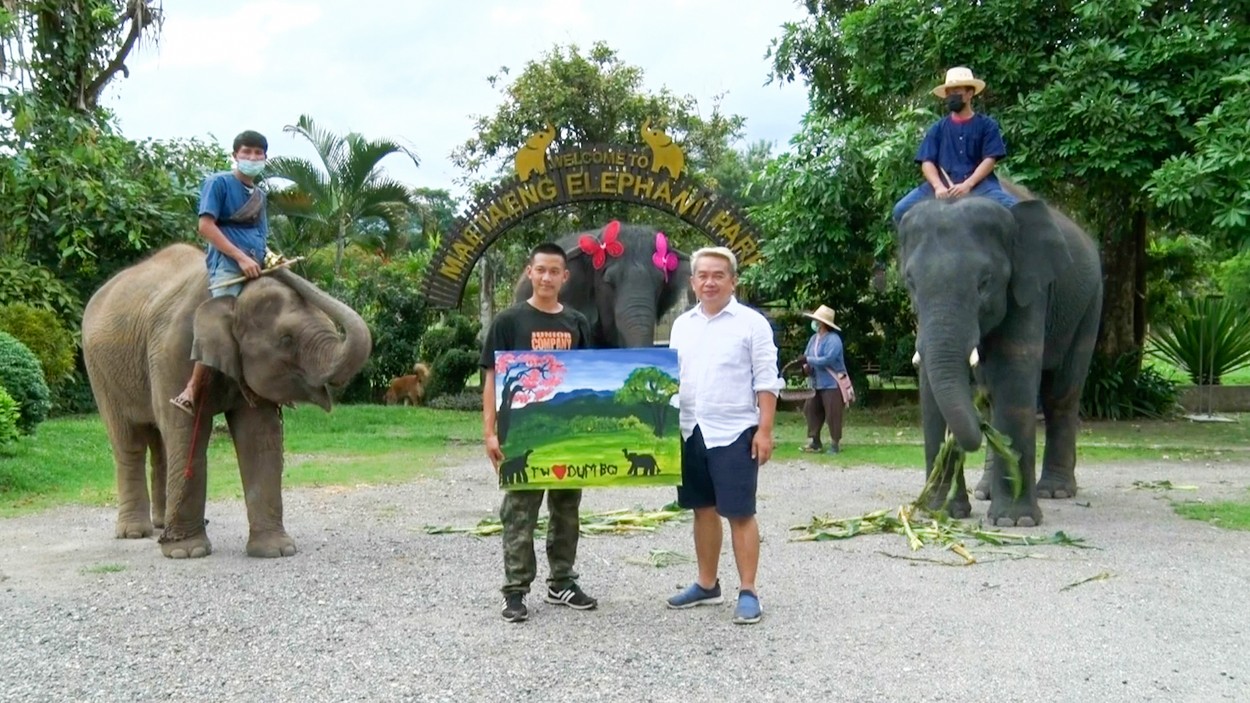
(724,477)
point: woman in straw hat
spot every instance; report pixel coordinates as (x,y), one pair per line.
(825,367)
(958,154)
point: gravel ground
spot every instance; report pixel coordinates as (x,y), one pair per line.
(372,608)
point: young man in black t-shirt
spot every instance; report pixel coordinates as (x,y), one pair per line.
(541,323)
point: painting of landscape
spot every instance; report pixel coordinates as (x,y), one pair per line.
(588,418)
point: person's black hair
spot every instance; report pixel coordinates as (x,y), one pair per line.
(250,138)
(549,248)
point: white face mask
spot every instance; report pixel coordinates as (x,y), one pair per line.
(815,326)
(250,168)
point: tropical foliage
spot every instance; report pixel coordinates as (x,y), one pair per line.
(338,199)
(1210,339)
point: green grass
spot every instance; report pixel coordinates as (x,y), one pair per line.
(104,569)
(69,460)
(1231,514)
(1240,377)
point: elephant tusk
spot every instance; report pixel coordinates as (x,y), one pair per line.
(974,358)
(915,359)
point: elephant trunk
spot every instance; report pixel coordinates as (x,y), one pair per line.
(357,343)
(947,368)
(635,325)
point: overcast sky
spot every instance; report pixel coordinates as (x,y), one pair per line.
(415,70)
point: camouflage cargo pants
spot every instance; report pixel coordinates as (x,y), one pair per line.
(519,514)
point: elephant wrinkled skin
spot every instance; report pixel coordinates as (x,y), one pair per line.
(1023,289)
(280,338)
(625,298)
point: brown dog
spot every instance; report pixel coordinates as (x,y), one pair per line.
(410,388)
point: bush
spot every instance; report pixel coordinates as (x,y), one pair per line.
(456,331)
(451,348)
(43,334)
(450,371)
(24,282)
(1119,389)
(73,396)
(1208,338)
(385,295)
(470,401)
(9,416)
(22,377)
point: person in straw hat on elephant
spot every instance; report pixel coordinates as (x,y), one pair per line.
(959,152)
(825,366)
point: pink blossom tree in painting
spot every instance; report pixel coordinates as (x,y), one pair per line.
(524,377)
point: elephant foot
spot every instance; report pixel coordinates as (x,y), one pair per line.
(180,543)
(1014,515)
(268,545)
(1055,486)
(189,548)
(134,529)
(982,491)
(959,507)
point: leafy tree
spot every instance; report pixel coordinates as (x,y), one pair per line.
(86,201)
(435,212)
(591,96)
(335,199)
(525,377)
(75,49)
(650,387)
(1095,97)
(737,171)
(78,197)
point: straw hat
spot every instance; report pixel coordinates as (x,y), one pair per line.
(959,77)
(823,314)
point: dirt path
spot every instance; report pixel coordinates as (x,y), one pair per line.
(375,609)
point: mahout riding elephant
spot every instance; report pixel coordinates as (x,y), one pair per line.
(1022,289)
(623,278)
(277,344)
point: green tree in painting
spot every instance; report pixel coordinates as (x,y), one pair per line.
(650,387)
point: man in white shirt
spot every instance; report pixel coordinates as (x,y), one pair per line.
(728,399)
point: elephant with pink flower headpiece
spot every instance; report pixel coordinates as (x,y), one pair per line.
(623,278)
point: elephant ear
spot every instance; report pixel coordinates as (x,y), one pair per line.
(581,291)
(1039,251)
(678,283)
(215,344)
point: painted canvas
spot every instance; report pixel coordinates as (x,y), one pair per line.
(588,418)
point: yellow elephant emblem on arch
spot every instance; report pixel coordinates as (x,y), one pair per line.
(664,153)
(532,158)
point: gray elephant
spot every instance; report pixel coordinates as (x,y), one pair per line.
(279,339)
(623,278)
(1022,290)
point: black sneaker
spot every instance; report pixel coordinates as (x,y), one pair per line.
(514,609)
(572,597)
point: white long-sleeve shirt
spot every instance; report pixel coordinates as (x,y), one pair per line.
(724,360)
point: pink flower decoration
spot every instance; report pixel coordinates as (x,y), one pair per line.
(663,259)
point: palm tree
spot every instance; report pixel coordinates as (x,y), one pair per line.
(332,200)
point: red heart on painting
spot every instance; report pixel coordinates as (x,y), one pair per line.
(560,471)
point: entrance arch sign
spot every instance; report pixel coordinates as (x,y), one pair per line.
(653,176)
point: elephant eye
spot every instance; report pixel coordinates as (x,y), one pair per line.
(984,284)
(286,341)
